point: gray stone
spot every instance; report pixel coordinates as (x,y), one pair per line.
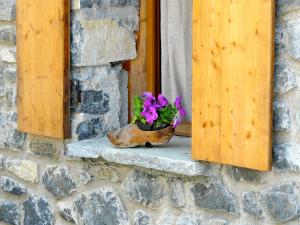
(105,172)
(86,177)
(189,220)
(93,102)
(167,218)
(2,162)
(286,157)
(10,73)
(144,188)
(239,174)
(214,196)
(177,192)
(102,206)
(285,6)
(279,40)
(285,79)
(98,42)
(7,10)
(9,213)
(59,182)
(141,218)
(37,211)
(216,222)
(11,96)
(12,186)
(175,157)
(250,205)
(293,29)
(107,3)
(8,34)
(24,169)
(89,129)
(43,149)
(8,54)
(66,212)
(282,202)
(281,117)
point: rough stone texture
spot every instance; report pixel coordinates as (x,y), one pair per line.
(174,157)
(86,177)
(94,102)
(102,206)
(88,129)
(8,54)
(25,169)
(141,218)
(43,149)
(8,34)
(59,182)
(282,202)
(281,117)
(214,196)
(12,186)
(66,212)
(37,211)
(7,10)
(189,220)
(106,173)
(177,192)
(216,222)
(2,162)
(9,212)
(144,188)
(114,42)
(286,157)
(10,72)
(293,29)
(285,79)
(250,205)
(239,174)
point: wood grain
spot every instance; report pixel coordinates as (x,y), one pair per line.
(43,67)
(232,82)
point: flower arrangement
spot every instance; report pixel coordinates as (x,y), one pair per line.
(157,112)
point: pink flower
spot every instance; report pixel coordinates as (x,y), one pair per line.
(162,101)
(176,122)
(182,112)
(177,102)
(150,114)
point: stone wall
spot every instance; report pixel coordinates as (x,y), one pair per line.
(40,185)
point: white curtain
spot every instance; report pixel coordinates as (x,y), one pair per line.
(176,47)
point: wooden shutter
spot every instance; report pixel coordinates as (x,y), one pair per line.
(43,67)
(232,82)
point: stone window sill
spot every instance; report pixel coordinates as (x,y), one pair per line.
(174,157)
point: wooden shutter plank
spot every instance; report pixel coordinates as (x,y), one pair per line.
(43,67)
(232,82)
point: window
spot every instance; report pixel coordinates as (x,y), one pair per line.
(232,69)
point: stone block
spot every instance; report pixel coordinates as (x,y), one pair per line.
(37,211)
(24,169)
(286,157)
(105,206)
(188,219)
(59,182)
(250,205)
(293,29)
(281,117)
(214,196)
(8,34)
(107,3)
(144,188)
(239,174)
(105,172)
(12,186)
(9,212)
(98,42)
(282,202)
(66,212)
(285,79)
(10,72)
(141,218)
(43,149)
(216,222)
(7,10)
(93,102)
(8,54)
(177,193)
(89,129)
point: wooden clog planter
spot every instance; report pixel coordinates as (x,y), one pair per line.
(131,136)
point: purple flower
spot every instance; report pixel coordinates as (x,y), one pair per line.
(176,122)
(162,101)
(177,102)
(147,94)
(182,112)
(150,114)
